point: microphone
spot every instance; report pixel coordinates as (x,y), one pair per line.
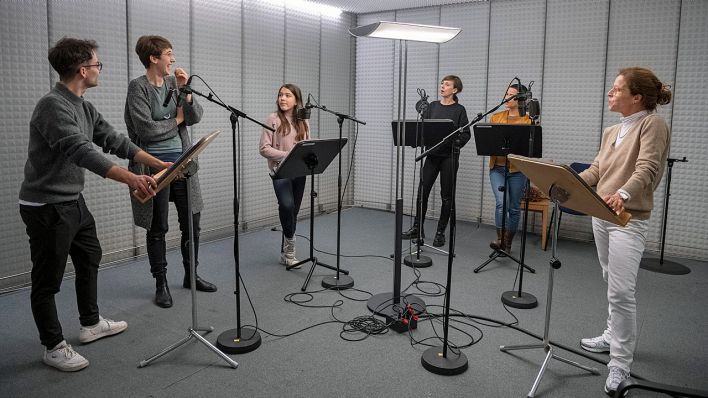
(422,104)
(183,91)
(534,108)
(168,97)
(304,113)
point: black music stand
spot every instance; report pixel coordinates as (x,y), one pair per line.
(502,140)
(574,194)
(184,167)
(310,157)
(423,133)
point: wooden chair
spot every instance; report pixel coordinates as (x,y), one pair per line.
(542,206)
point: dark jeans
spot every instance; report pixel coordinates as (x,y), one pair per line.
(435,165)
(55,232)
(155,237)
(289,193)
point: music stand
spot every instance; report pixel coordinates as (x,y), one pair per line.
(310,157)
(550,178)
(182,167)
(422,133)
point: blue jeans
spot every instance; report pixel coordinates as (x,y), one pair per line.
(289,193)
(155,237)
(516,182)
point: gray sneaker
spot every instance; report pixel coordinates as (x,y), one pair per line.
(614,378)
(104,327)
(64,358)
(595,344)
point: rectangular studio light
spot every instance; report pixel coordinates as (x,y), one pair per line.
(406,31)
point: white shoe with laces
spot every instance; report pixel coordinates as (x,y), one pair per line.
(595,344)
(287,257)
(64,358)
(614,378)
(104,327)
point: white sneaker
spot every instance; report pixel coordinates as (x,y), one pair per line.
(104,327)
(614,378)
(287,256)
(64,358)
(595,344)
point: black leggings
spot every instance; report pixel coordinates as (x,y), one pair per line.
(435,165)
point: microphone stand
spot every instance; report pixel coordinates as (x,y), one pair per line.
(339,281)
(241,339)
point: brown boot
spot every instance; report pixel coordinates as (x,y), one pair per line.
(508,238)
(496,244)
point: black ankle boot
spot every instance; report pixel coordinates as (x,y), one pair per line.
(201,284)
(162,292)
(412,233)
(439,239)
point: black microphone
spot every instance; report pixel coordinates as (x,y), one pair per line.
(306,112)
(534,108)
(183,91)
(422,104)
(168,98)
(309,105)
(522,102)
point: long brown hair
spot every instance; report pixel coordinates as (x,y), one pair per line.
(644,82)
(301,127)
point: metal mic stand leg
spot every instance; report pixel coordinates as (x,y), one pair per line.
(546,345)
(192,331)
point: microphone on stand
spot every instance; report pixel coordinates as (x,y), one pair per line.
(422,104)
(304,113)
(168,98)
(534,108)
(183,91)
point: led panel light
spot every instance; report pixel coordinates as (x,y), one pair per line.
(406,31)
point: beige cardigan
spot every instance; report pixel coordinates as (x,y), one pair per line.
(636,165)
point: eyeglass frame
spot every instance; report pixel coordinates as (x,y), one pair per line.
(99,65)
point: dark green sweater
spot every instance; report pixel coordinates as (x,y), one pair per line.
(63,129)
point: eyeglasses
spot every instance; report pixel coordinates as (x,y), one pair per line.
(99,65)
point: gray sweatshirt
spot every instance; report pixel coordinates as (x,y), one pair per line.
(63,129)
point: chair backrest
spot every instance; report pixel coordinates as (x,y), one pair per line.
(578,168)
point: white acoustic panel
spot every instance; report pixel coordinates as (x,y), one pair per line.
(687,216)
(573,91)
(466,57)
(336,92)
(513,51)
(644,33)
(422,73)
(263,72)
(374,183)
(26,79)
(159,18)
(217,59)
(108,201)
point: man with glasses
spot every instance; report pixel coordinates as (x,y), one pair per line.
(63,129)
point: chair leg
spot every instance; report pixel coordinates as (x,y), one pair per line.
(544,231)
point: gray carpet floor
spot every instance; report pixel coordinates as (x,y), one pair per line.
(317,362)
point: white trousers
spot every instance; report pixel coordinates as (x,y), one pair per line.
(620,250)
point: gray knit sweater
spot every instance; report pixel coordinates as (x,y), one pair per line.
(63,129)
(143,131)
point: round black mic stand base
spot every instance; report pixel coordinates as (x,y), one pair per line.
(415,261)
(453,364)
(229,342)
(383,304)
(666,267)
(344,282)
(523,301)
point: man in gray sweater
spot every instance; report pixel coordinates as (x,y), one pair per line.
(63,129)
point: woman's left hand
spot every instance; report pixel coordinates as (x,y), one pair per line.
(182,76)
(615,202)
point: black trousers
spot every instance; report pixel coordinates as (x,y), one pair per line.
(289,192)
(55,232)
(433,166)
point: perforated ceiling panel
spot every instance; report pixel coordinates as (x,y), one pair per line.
(108,201)
(374,183)
(466,57)
(217,60)
(24,57)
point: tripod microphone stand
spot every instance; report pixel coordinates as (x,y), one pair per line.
(241,339)
(340,280)
(194,329)
(659,264)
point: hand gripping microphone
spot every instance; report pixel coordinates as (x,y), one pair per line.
(183,91)
(422,104)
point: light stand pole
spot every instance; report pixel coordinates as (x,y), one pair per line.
(241,339)
(392,304)
(660,265)
(339,281)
